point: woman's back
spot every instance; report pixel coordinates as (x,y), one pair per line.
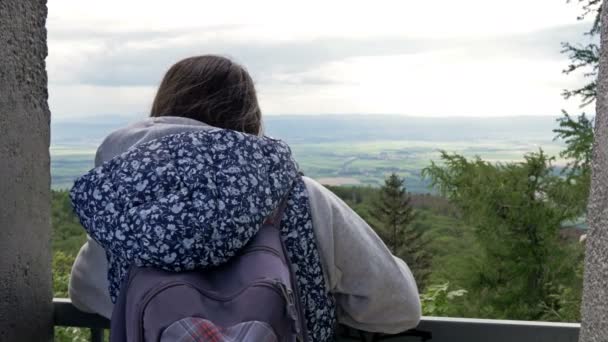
(175,193)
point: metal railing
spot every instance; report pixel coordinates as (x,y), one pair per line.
(435,329)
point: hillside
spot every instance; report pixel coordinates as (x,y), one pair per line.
(344,149)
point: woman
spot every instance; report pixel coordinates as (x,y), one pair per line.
(201,163)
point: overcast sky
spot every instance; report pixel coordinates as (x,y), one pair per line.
(421,58)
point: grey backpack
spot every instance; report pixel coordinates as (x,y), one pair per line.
(253,297)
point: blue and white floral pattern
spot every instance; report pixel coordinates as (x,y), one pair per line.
(192,200)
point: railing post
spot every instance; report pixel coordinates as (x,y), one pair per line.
(25,233)
(594,325)
(96,335)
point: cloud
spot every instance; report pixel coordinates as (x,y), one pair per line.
(71,101)
(385,57)
(140,58)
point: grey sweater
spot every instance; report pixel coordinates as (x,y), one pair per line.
(374,290)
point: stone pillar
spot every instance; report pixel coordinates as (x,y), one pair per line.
(594,327)
(25,231)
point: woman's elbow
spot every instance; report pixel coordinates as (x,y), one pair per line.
(408,308)
(414,313)
(409,313)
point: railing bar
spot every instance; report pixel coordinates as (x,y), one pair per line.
(442,328)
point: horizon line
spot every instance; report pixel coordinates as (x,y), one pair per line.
(99,117)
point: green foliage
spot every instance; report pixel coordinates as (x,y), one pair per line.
(393,216)
(577,133)
(578,136)
(71,334)
(448,242)
(68,236)
(563,298)
(585,58)
(515,210)
(393,212)
(516,266)
(437,300)
(562,304)
(564,293)
(62,264)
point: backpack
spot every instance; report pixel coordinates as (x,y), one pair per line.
(252,297)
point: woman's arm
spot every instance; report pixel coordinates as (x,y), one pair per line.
(375,291)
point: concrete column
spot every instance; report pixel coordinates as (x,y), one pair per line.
(595,296)
(25,257)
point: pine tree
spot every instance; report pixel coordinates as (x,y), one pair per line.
(577,131)
(516,210)
(585,58)
(394,214)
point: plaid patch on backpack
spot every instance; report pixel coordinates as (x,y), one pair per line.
(194,329)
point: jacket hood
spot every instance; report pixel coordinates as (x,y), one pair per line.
(143,131)
(186,200)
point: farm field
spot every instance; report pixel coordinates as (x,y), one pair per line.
(341,163)
(344,149)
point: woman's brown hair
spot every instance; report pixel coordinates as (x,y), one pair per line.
(211,89)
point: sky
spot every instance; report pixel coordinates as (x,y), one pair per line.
(419,58)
